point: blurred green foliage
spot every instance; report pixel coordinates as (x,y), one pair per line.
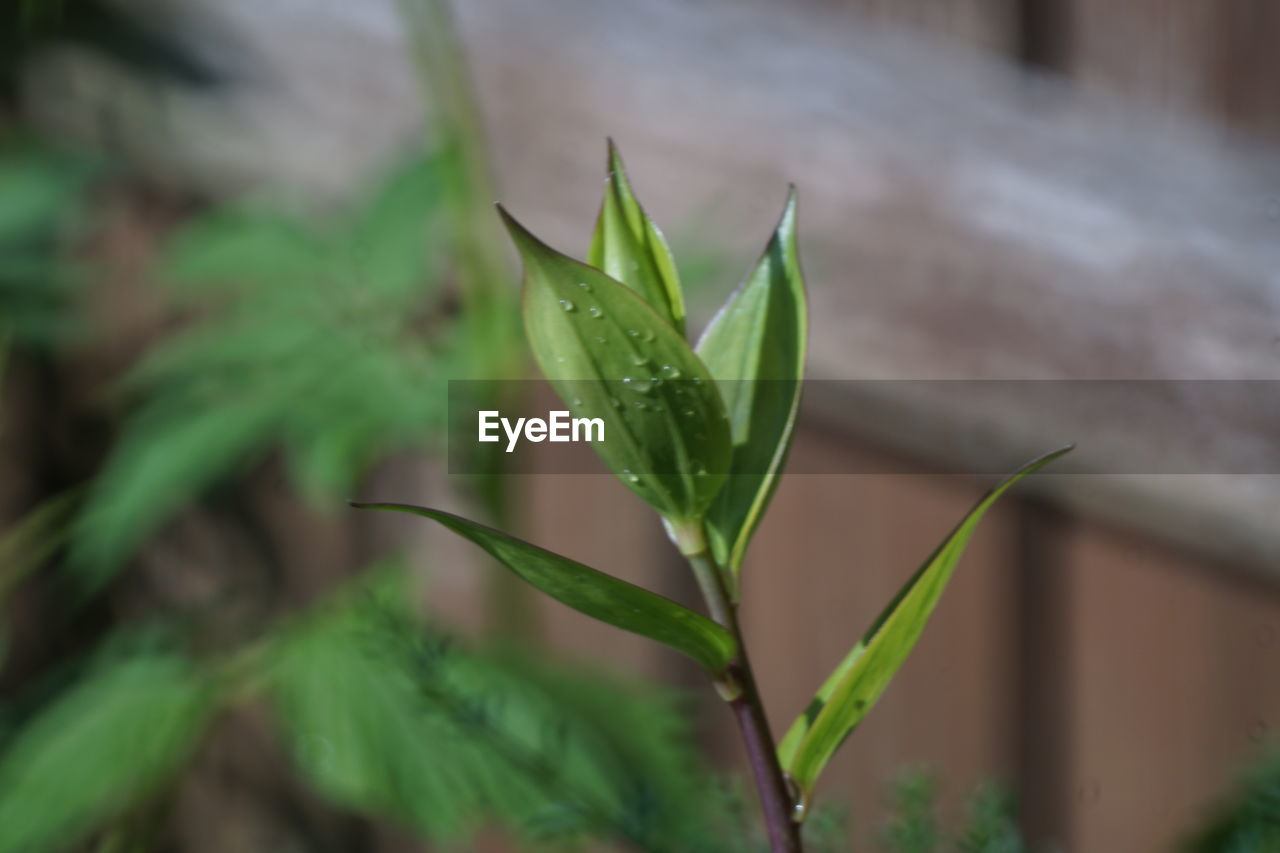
(385,716)
(43,200)
(111,738)
(990,824)
(392,720)
(326,340)
(1250,821)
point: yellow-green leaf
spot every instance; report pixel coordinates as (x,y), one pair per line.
(755,348)
(630,248)
(610,356)
(855,685)
(593,592)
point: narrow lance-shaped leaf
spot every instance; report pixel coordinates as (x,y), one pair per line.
(593,592)
(855,685)
(630,248)
(610,356)
(755,349)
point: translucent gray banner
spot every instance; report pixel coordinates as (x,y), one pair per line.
(939,426)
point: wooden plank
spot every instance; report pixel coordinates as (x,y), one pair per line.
(1215,59)
(1174,691)
(980,23)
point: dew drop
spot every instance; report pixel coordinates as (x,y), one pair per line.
(640,386)
(601,340)
(584,286)
(641,405)
(633,478)
(699,470)
(567,304)
(670,372)
(646,335)
(576,401)
(617,404)
(639,360)
(595,312)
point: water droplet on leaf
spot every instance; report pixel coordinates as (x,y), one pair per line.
(640,386)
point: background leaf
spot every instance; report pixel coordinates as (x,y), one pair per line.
(592,592)
(104,744)
(313,338)
(755,349)
(855,685)
(385,717)
(628,247)
(44,197)
(610,356)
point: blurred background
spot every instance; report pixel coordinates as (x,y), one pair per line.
(244,246)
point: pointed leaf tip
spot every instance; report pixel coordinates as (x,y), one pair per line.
(628,246)
(601,344)
(755,347)
(855,685)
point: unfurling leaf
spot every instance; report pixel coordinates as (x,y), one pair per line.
(592,592)
(855,685)
(629,247)
(755,348)
(610,356)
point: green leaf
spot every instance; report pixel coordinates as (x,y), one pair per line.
(103,745)
(592,592)
(355,722)
(41,188)
(163,462)
(246,247)
(855,685)
(630,248)
(391,718)
(611,356)
(340,311)
(390,244)
(755,348)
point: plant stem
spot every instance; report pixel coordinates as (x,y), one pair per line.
(748,710)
